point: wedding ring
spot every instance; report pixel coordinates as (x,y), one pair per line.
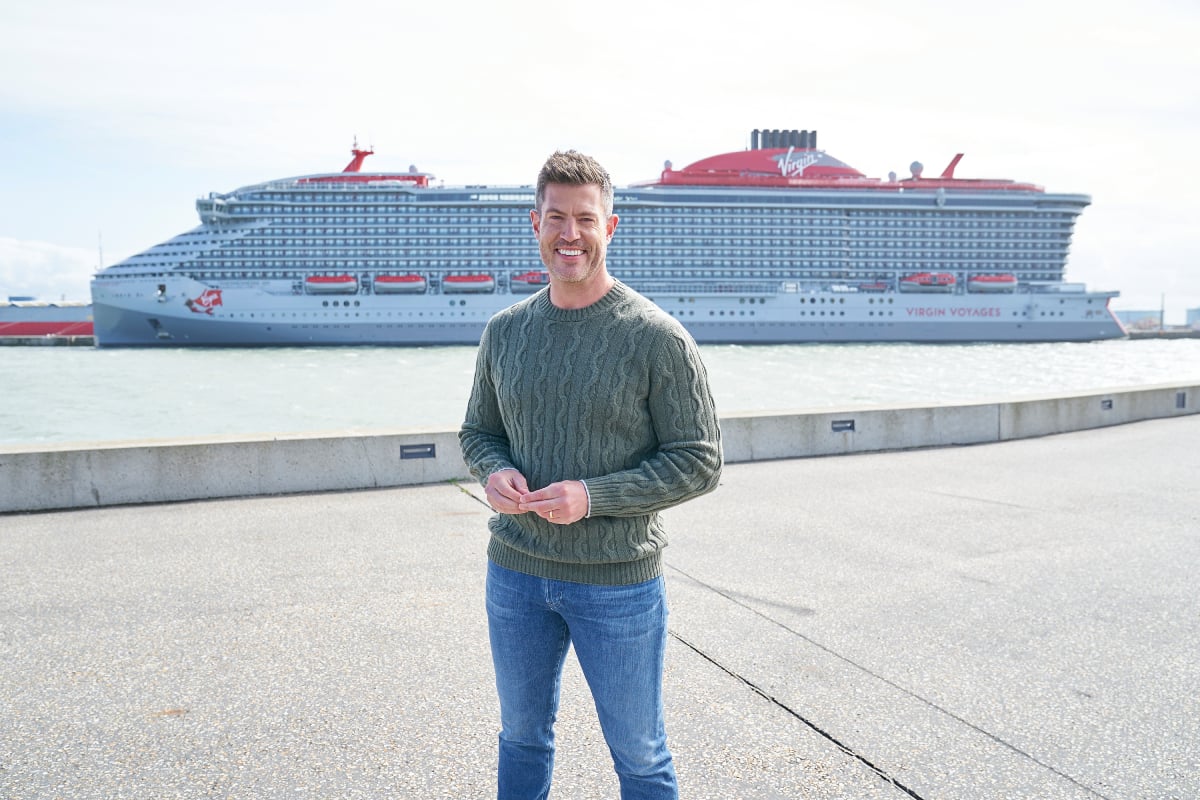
(552,513)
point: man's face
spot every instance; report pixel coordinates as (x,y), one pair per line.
(573,232)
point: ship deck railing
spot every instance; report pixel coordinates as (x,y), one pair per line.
(724,287)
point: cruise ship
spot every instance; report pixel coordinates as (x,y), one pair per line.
(779,242)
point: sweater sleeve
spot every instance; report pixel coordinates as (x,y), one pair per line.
(687,460)
(484,442)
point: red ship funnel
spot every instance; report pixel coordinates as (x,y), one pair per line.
(359,156)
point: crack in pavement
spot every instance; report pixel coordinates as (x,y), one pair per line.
(800,717)
(845,659)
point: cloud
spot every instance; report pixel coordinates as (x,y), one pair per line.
(45,271)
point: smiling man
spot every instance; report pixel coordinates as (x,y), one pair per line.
(590,413)
(573,225)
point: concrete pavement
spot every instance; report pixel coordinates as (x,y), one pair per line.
(1010,620)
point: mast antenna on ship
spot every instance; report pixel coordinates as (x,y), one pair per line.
(359,156)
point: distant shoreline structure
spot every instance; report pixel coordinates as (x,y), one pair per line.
(27,318)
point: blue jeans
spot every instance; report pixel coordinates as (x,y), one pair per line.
(619,634)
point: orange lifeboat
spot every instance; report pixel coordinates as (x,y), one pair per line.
(927,282)
(468,284)
(399,284)
(529,281)
(992,283)
(331,284)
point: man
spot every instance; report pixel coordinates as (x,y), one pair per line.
(590,412)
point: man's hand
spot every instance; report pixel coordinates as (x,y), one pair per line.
(561,503)
(504,490)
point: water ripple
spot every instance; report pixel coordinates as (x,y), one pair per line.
(72,394)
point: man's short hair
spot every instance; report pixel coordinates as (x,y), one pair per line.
(573,168)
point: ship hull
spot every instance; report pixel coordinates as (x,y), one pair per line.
(252,317)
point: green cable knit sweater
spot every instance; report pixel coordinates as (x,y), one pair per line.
(615,395)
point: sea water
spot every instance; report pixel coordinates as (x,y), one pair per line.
(81,394)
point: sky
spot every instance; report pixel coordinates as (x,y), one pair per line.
(116,116)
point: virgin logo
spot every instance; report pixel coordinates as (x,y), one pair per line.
(791,165)
(206,302)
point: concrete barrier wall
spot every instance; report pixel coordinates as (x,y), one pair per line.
(156,472)
(760,437)
(1043,416)
(79,476)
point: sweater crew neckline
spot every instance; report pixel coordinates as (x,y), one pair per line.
(606,303)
